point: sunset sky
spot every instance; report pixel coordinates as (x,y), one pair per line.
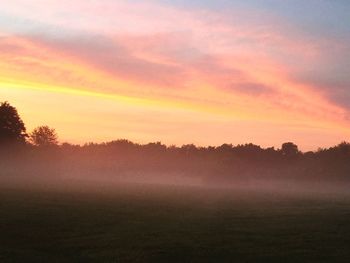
(204,72)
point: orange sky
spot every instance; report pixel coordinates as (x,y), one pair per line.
(105,70)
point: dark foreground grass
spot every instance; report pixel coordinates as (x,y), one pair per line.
(170,224)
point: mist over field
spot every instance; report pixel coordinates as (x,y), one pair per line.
(126,202)
(243,167)
(58,213)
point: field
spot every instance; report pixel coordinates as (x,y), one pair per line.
(137,223)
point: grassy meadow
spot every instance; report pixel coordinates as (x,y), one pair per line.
(153,223)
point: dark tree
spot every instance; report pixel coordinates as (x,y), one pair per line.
(43,136)
(289,149)
(12,129)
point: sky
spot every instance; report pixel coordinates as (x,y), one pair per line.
(176,71)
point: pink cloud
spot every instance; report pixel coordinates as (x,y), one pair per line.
(189,55)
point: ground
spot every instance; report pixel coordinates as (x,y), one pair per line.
(138,223)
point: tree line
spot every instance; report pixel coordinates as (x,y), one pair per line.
(39,152)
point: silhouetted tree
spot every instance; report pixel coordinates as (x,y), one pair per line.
(44,136)
(289,149)
(12,129)
(343,148)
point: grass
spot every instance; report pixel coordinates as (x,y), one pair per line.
(170,224)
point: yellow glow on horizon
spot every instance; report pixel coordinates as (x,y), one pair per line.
(225,112)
